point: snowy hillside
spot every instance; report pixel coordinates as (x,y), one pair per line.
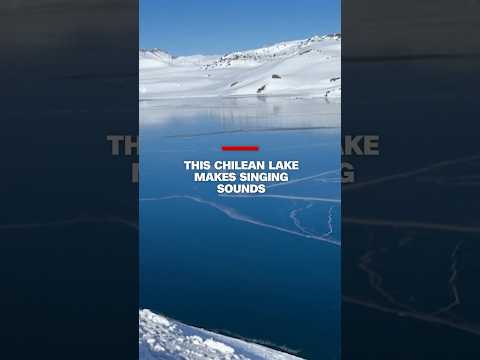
(304,68)
(165,339)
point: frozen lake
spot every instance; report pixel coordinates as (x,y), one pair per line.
(264,268)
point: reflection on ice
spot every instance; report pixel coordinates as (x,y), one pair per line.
(244,112)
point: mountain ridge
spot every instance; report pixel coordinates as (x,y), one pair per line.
(157,50)
(307,68)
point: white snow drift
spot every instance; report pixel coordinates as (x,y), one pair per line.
(165,339)
(304,68)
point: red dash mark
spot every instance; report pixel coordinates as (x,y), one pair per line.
(240,148)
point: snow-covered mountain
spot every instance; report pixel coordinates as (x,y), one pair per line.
(165,339)
(154,58)
(304,68)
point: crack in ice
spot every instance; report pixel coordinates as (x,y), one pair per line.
(235,215)
(296,220)
(329,222)
(294,181)
(73,221)
(452,281)
(287,197)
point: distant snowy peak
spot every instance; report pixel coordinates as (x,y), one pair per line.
(272,52)
(160,338)
(154,57)
(155,52)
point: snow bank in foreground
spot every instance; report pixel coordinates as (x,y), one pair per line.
(165,339)
(307,68)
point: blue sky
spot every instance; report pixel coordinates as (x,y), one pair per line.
(184,27)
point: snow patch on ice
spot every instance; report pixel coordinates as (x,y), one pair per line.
(160,338)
